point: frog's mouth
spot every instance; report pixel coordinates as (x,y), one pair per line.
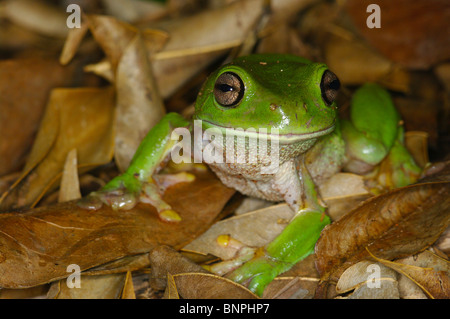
(282,138)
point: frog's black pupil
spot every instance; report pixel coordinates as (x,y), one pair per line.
(335,85)
(225,87)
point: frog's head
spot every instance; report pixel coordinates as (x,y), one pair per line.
(268,91)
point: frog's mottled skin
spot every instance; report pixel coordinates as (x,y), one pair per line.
(295,97)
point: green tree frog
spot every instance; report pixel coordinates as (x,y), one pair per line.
(284,108)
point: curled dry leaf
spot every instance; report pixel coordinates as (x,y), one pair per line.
(411,33)
(21,113)
(356,63)
(128,288)
(37,16)
(366,275)
(434,282)
(165,260)
(37,245)
(171,291)
(198,40)
(70,185)
(393,225)
(91,287)
(299,282)
(139,104)
(129,52)
(209,286)
(79,119)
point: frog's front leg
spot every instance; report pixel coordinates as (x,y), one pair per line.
(136,183)
(299,237)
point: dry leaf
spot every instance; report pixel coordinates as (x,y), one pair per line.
(128,288)
(209,286)
(73,41)
(21,113)
(398,223)
(413,34)
(37,245)
(435,283)
(70,185)
(91,287)
(299,282)
(74,118)
(165,260)
(134,10)
(37,16)
(361,276)
(139,105)
(198,40)
(356,63)
(171,289)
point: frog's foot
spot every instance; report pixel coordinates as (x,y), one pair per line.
(151,195)
(259,271)
(124,192)
(117,199)
(398,169)
(164,181)
(251,266)
(243,254)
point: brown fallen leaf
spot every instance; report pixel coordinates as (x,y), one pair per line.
(209,286)
(299,282)
(171,291)
(75,118)
(91,287)
(70,185)
(73,41)
(129,52)
(138,103)
(21,113)
(393,225)
(435,283)
(37,245)
(356,63)
(128,288)
(411,33)
(37,16)
(360,278)
(165,260)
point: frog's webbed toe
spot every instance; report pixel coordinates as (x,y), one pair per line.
(117,199)
(151,195)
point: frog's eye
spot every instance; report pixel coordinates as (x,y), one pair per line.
(229,89)
(329,87)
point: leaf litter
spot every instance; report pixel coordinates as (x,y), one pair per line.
(109,245)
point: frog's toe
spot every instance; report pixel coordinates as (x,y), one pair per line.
(169,215)
(90,202)
(165,181)
(150,195)
(116,199)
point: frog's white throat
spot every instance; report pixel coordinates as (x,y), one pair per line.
(263,133)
